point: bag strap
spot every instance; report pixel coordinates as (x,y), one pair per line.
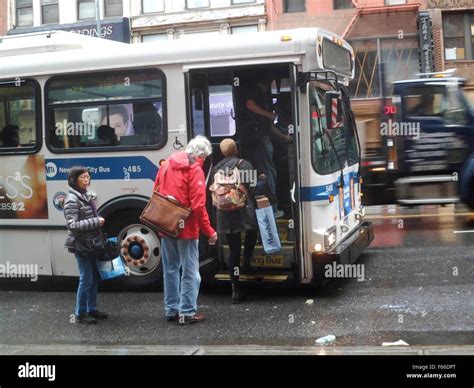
(242,186)
(239,162)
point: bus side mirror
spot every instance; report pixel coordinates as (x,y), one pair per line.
(333,104)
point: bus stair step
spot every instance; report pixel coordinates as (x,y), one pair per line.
(257,277)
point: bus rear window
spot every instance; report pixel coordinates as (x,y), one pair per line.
(106,111)
(19,116)
(336,58)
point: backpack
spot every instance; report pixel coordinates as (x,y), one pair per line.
(228,193)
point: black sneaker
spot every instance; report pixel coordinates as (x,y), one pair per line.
(98,314)
(85,319)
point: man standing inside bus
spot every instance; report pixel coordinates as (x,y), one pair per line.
(257,130)
(182,177)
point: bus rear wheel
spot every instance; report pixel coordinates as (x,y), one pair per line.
(140,251)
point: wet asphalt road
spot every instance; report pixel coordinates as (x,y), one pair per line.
(418,287)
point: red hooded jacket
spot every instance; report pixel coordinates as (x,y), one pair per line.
(186,182)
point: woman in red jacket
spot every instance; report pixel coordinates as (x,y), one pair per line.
(182,177)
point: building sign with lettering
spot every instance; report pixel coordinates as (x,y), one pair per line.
(117,29)
(425,34)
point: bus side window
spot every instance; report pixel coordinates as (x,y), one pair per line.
(99,111)
(18,116)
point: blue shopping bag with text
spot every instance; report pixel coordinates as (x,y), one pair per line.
(268,230)
(111,269)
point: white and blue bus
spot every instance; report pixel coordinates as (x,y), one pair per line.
(121,109)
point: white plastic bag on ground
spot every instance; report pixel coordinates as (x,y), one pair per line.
(326,339)
(397,343)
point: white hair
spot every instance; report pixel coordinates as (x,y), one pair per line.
(199,147)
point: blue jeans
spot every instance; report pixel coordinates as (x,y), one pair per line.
(180,275)
(86,300)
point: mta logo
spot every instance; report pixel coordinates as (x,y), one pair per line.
(51,170)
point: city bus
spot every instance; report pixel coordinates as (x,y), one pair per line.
(122,109)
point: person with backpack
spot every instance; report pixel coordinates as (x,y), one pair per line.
(233,196)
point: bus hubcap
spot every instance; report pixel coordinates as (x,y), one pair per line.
(140,249)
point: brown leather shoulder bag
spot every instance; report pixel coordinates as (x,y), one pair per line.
(164,213)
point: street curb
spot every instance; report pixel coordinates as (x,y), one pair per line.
(248,350)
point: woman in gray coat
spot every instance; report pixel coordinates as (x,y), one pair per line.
(83,223)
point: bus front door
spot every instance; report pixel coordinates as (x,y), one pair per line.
(211,114)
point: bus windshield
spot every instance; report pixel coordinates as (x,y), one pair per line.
(326,158)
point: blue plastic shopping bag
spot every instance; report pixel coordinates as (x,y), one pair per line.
(268,230)
(111,269)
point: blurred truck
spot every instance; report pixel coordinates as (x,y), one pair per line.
(422,150)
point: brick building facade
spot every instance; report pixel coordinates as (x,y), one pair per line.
(284,14)
(453,26)
(383,34)
(381,31)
